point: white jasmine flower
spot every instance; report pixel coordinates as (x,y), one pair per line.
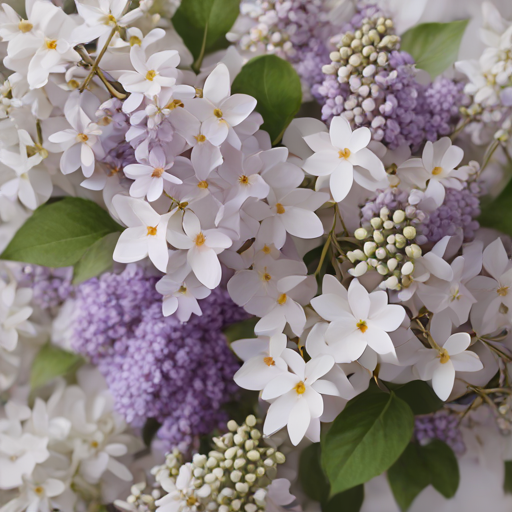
(145,234)
(342,155)
(36,495)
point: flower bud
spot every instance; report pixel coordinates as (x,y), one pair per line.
(409,232)
(392,264)
(382,269)
(408,268)
(378,237)
(369,248)
(381,253)
(388,224)
(398,216)
(360,233)
(376,223)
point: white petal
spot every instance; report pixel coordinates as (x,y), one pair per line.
(298,421)
(457,343)
(443,379)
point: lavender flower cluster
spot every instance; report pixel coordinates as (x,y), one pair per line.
(442,425)
(155,366)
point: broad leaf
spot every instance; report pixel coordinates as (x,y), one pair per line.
(443,467)
(434,46)
(96,260)
(408,476)
(350,500)
(202,24)
(241,330)
(51,362)
(420,397)
(149,430)
(496,214)
(58,234)
(366,438)
(507,483)
(312,478)
(276,86)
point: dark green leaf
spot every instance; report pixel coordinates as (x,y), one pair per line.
(96,260)
(276,86)
(58,234)
(350,500)
(434,46)
(203,24)
(507,484)
(497,213)
(149,430)
(241,330)
(408,476)
(366,438)
(311,476)
(443,467)
(420,397)
(51,362)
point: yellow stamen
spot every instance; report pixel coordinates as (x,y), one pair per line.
(200,137)
(157,173)
(113,170)
(502,291)
(267,277)
(344,153)
(94,444)
(300,388)
(199,92)
(25,26)
(175,104)
(51,44)
(200,239)
(218,113)
(280,208)
(73,84)
(134,40)
(151,231)
(39,490)
(191,501)
(111,21)
(269,361)
(150,75)
(437,170)
(444,356)
(266,249)
(244,180)
(81,137)
(203,184)
(361,325)
(183,289)
(282,299)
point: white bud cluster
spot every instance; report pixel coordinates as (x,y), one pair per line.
(390,246)
(360,57)
(140,500)
(228,478)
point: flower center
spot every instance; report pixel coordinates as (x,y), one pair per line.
(269,361)
(282,299)
(183,289)
(38,490)
(191,501)
(344,153)
(217,113)
(280,208)
(361,325)
(25,26)
(203,184)
(444,356)
(200,137)
(151,231)
(266,249)
(73,84)
(199,92)
(134,40)
(244,180)
(157,172)
(502,291)
(267,277)
(81,137)
(178,103)
(300,388)
(111,21)
(51,44)
(437,170)
(200,239)
(94,444)
(150,75)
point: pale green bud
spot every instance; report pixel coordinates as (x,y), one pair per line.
(409,232)
(235,476)
(376,223)
(398,216)
(360,233)
(369,248)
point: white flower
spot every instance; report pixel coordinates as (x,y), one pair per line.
(450,355)
(343,155)
(36,495)
(149,178)
(358,319)
(203,246)
(296,395)
(262,360)
(218,111)
(145,234)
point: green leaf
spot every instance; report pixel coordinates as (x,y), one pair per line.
(203,24)
(276,86)
(365,439)
(51,362)
(507,484)
(311,475)
(350,500)
(58,234)
(149,430)
(443,467)
(408,476)
(434,46)
(96,260)
(241,330)
(420,397)
(497,213)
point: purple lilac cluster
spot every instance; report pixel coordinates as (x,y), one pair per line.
(384,95)
(50,286)
(442,425)
(155,366)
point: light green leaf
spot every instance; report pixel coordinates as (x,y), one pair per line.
(434,46)
(276,86)
(51,362)
(202,24)
(311,475)
(408,476)
(350,500)
(96,260)
(419,396)
(443,467)
(366,438)
(58,234)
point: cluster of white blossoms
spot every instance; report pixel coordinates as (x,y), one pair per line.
(64,452)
